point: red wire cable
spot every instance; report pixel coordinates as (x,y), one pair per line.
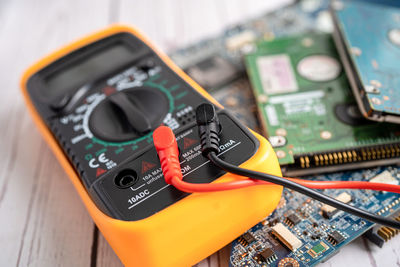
(212,187)
(167,149)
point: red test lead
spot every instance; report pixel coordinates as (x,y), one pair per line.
(168,152)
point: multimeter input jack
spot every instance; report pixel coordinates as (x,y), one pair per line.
(126,178)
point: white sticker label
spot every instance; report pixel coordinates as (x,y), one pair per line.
(296,97)
(272,116)
(319,68)
(299,103)
(276,74)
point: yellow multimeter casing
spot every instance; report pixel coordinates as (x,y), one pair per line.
(188,230)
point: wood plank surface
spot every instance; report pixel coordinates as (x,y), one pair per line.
(42,220)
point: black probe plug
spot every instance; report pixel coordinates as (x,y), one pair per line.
(209,128)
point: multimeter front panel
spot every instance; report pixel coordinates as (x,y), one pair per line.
(102,102)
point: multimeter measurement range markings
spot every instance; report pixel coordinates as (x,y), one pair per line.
(186,170)
(129,79)
(168,120)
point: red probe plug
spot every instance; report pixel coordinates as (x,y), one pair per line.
(168,152)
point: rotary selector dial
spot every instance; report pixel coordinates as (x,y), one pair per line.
(128,114)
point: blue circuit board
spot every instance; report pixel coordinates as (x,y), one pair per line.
(232,43)
(316,232)
(369,35)
(216,63)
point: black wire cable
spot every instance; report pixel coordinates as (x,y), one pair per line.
(209,129)
(212,156)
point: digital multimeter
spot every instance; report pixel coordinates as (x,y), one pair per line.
(96,103)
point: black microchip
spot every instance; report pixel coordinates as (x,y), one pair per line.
(274,221)
(335,238)
(329,215)
(293,219)
(267,255)
(213,72)
(248,238)
(316,237)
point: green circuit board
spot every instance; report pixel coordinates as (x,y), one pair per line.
(308,111)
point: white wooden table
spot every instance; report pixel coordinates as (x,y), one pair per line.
(42,221)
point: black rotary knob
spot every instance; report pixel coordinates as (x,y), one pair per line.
(128,114)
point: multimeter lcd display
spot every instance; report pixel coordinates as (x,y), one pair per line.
(84,69)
